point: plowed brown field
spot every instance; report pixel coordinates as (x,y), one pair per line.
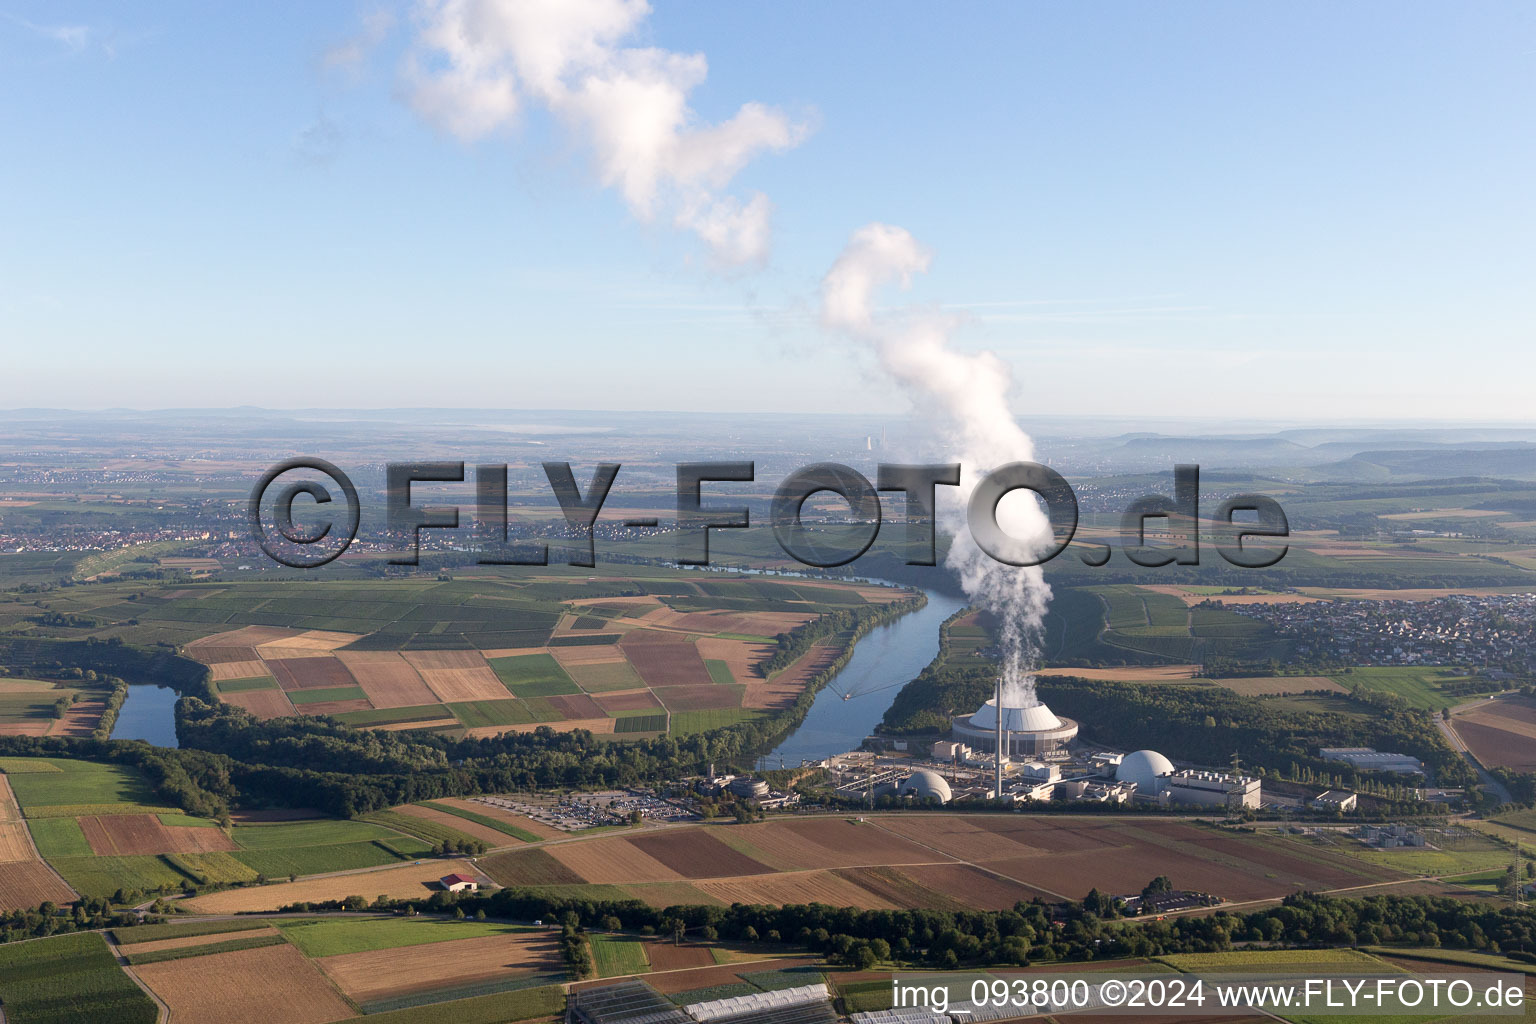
(129,834)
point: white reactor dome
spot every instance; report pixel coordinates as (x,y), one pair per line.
(1035,718)
(1143,768)
(926,785)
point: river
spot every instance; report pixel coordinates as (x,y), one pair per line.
(883,661)
(149,714)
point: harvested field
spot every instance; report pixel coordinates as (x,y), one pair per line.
(1055,835)
(457,676)
(529,867)
(250,986)
(238,670)
(320,640)
(796,887)
(698,698)
(245,636)
(612,861)
(264,704)
(1260,686)
(939,886)
(310,673)
(405,970)
(182,942)
(628,700)
(955,835)
(470,828)
(826,843)
(80,720)
(388,679)
(522,821)
(405,882)
(26,883)
(577,706)
(15,845)
(741,656)
(696,854)
(785,687)
(603,676)
(597,726)
(666,662)
(591,654)
(1497,746)
(128,834)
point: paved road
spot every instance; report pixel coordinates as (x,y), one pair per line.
(1491,784)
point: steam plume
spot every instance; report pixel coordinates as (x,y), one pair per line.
(965,395)
(476,63)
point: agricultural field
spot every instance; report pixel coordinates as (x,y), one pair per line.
(68,979)
(25,880)
(248,986)
(41,707)
(934,861)
(89,823)
(480,656)
(1500,733)
(406,881)
(1421,687)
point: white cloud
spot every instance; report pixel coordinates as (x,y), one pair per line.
(476,63)
(350,55)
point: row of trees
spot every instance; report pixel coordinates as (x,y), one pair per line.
(1036,932)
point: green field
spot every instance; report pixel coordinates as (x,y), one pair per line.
(185,952)
(68,980)
(533,675)
(330,937)
(492,712)
(181,930)
(719,671)
(103,876)
(248,683)
(59,837)
(540,1002)
(429,831)
(81,783)
(393,716)
(326,693)
(615,955)
(289,834)
(1421,687)
(685,723)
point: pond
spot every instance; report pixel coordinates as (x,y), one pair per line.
(148,714)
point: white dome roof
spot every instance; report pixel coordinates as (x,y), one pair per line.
(926,785)
(1143,768)
(1035,718)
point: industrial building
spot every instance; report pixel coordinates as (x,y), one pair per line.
(1032,731)
(1369,759)
(1213,789)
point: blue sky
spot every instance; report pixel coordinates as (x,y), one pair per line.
(1291,211)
